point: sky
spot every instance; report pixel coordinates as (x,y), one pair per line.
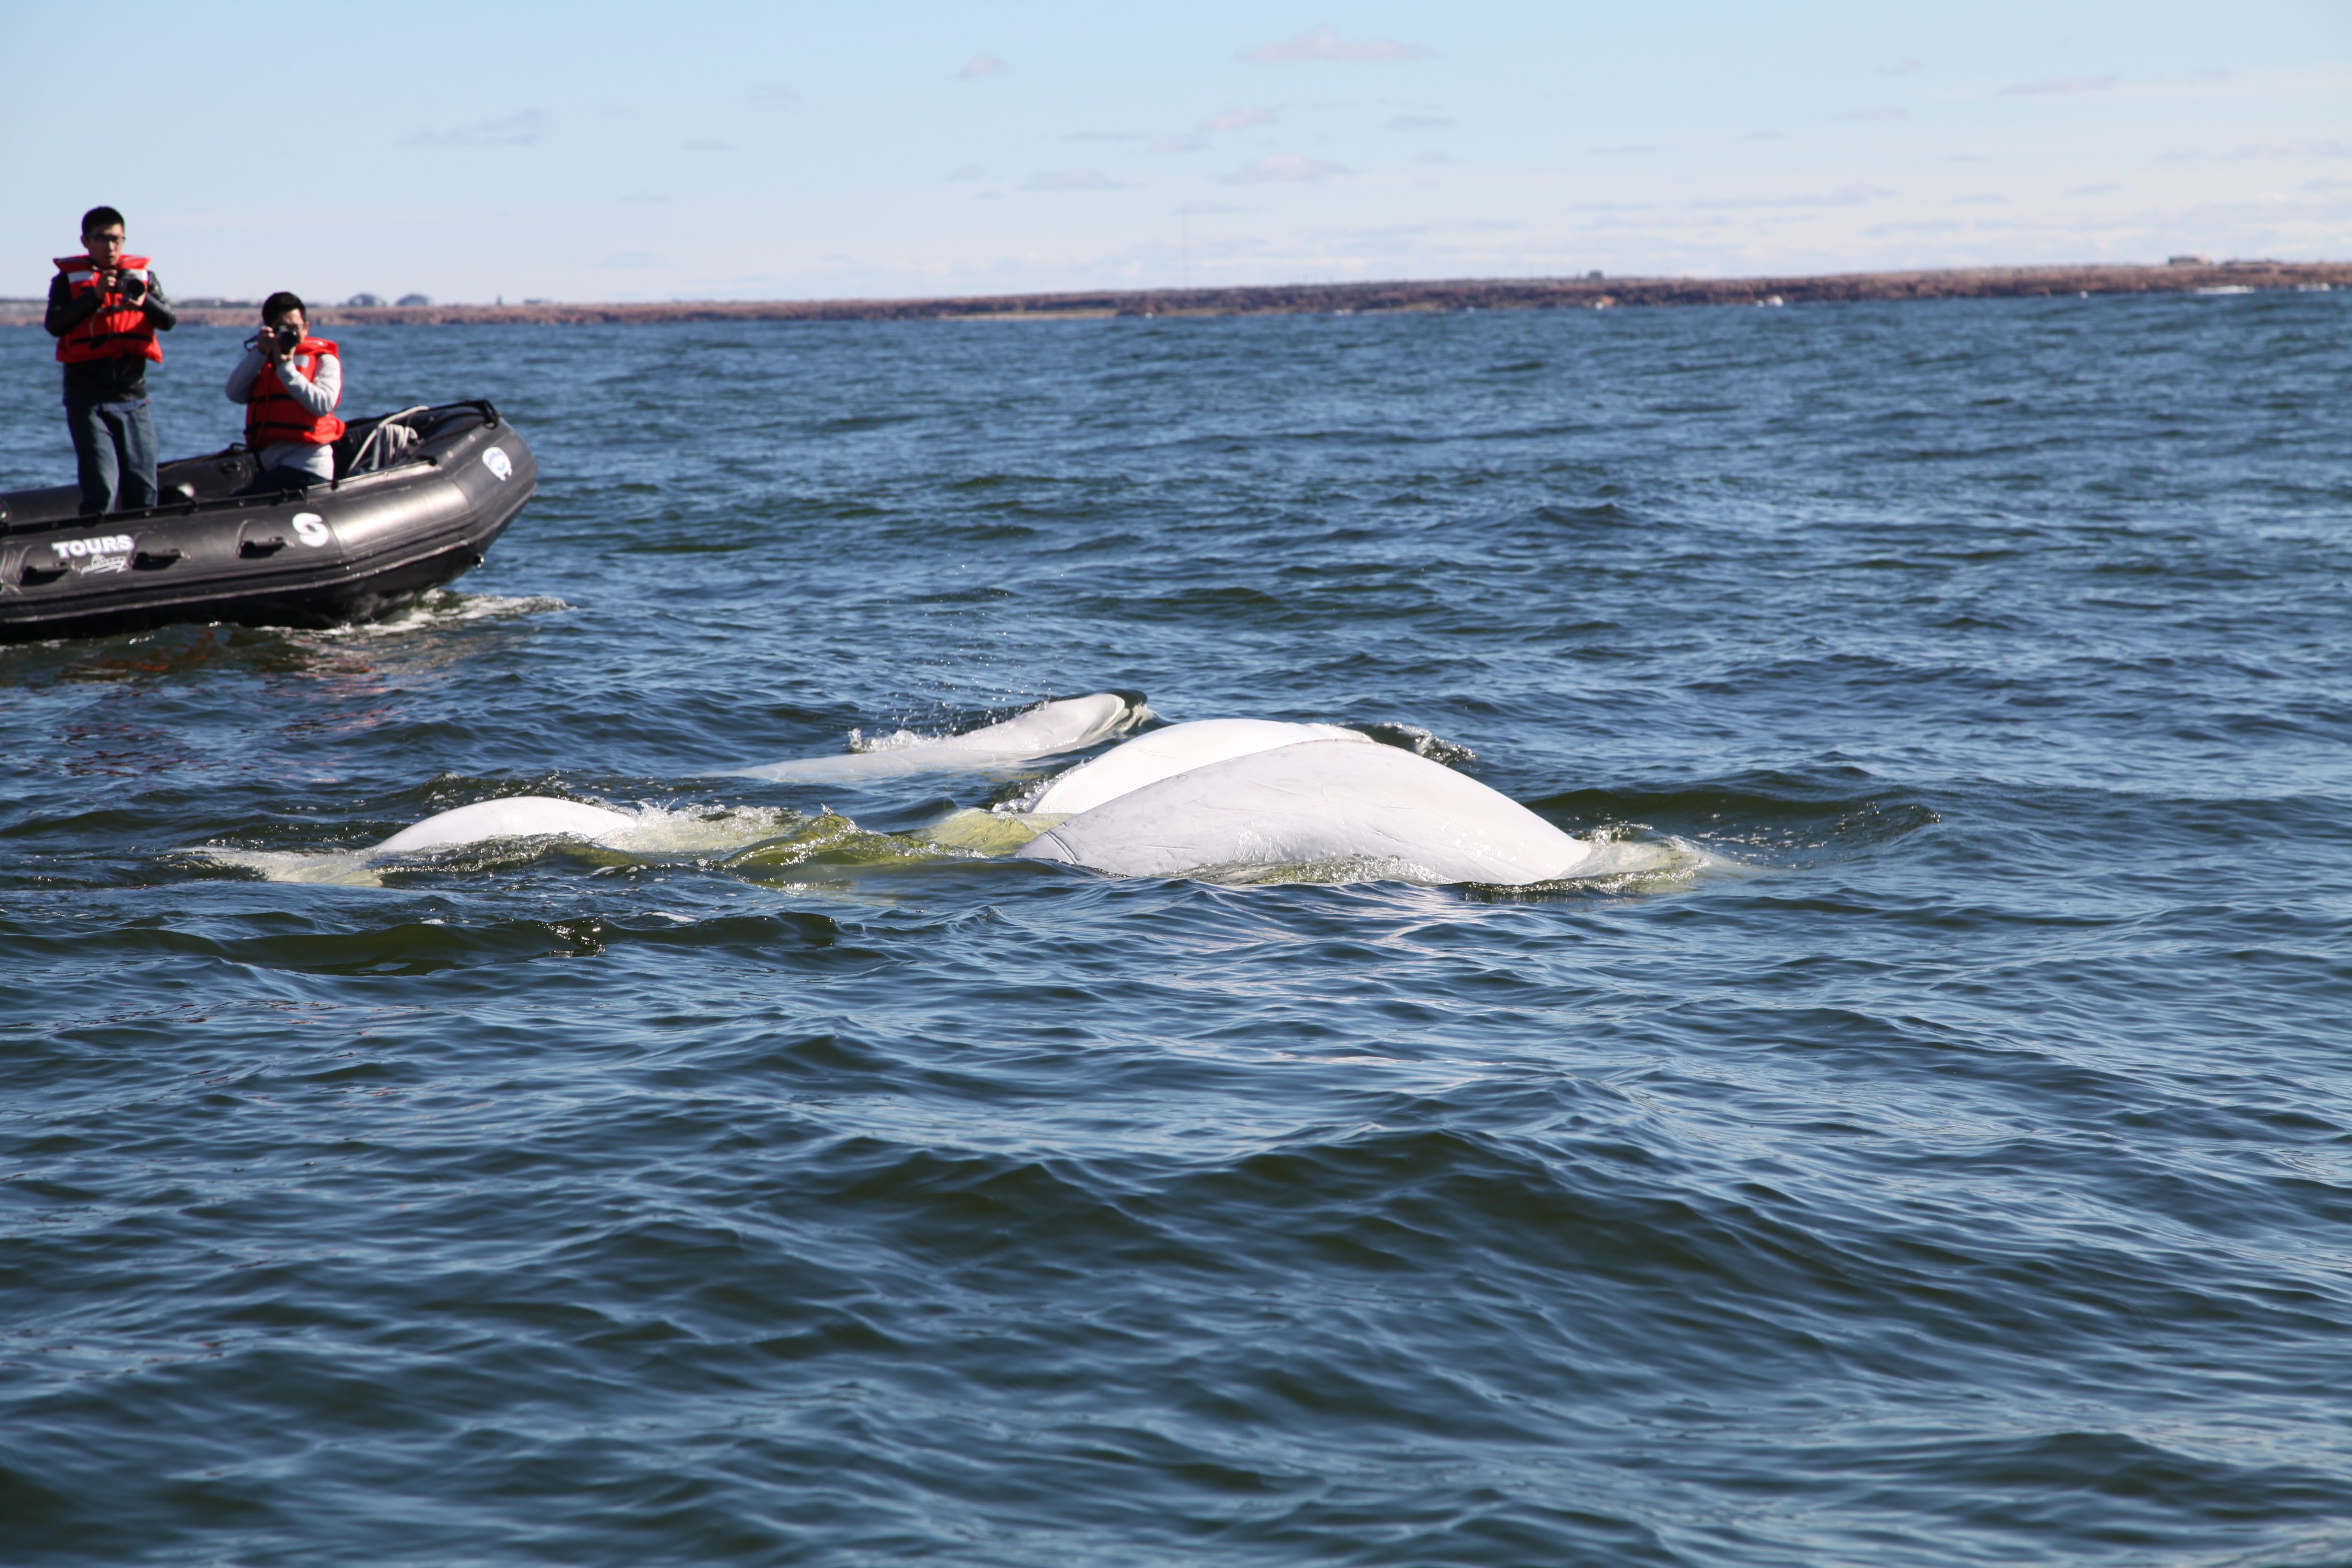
(590,150)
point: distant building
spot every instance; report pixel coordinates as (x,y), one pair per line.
(1593,275)
(364,299)
(2188,261)
(416,299)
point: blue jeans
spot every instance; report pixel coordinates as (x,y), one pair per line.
(114,454)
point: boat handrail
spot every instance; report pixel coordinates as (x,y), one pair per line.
(359,459)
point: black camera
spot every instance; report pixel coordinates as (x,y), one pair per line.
(288,335)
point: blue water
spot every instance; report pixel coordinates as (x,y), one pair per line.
(1956,1169)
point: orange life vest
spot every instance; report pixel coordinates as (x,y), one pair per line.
(272,415)
(117,328)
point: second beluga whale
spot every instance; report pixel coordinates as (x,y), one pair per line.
(1051,729)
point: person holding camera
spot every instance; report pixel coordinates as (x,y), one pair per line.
(105,308)
(290,382)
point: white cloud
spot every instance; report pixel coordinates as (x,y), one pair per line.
(1327,45)
(2104,188)
(773,96)
(1177,145)
(2058,89)
(1875,114)
(1071,180)
(1927,225)
(1843,197)
(704,147)
(1421,122)
(514,131)
(1239,119)
(981,65)
(1614,148)
(1284,168)
(2304,149)
(969,172)
(1905,68)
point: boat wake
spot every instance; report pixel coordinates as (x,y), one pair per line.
(442,608)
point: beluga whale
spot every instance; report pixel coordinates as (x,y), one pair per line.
(1051,729)
(514,816)
(1317,809)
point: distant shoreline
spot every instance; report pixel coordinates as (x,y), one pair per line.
(1313,299)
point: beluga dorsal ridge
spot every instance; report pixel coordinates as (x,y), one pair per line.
(1052,728)
(1321,807)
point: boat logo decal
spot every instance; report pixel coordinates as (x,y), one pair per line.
(107,552)
(497,461)
(311,528)
(105,544)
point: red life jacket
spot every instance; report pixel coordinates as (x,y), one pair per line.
(272,415)
(117,329)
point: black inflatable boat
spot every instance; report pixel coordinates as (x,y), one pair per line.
(417,496)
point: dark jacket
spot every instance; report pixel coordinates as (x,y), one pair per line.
(119,380)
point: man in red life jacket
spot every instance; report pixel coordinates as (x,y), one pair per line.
(290,382)
(105,308)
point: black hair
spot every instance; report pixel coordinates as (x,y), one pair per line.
(99,217)
(278,304)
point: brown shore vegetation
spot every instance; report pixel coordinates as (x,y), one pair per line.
(1589,293)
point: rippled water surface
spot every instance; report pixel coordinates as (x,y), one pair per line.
(1954,1168)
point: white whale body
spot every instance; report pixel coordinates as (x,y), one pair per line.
(484,822)
(1048,730)
(1163,753)
(1317,804)
(515,817)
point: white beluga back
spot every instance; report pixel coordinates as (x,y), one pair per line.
(1048,730)
(1179,748)
(1330,809)
(515,817)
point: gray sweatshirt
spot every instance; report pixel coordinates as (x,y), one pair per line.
(317,397)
